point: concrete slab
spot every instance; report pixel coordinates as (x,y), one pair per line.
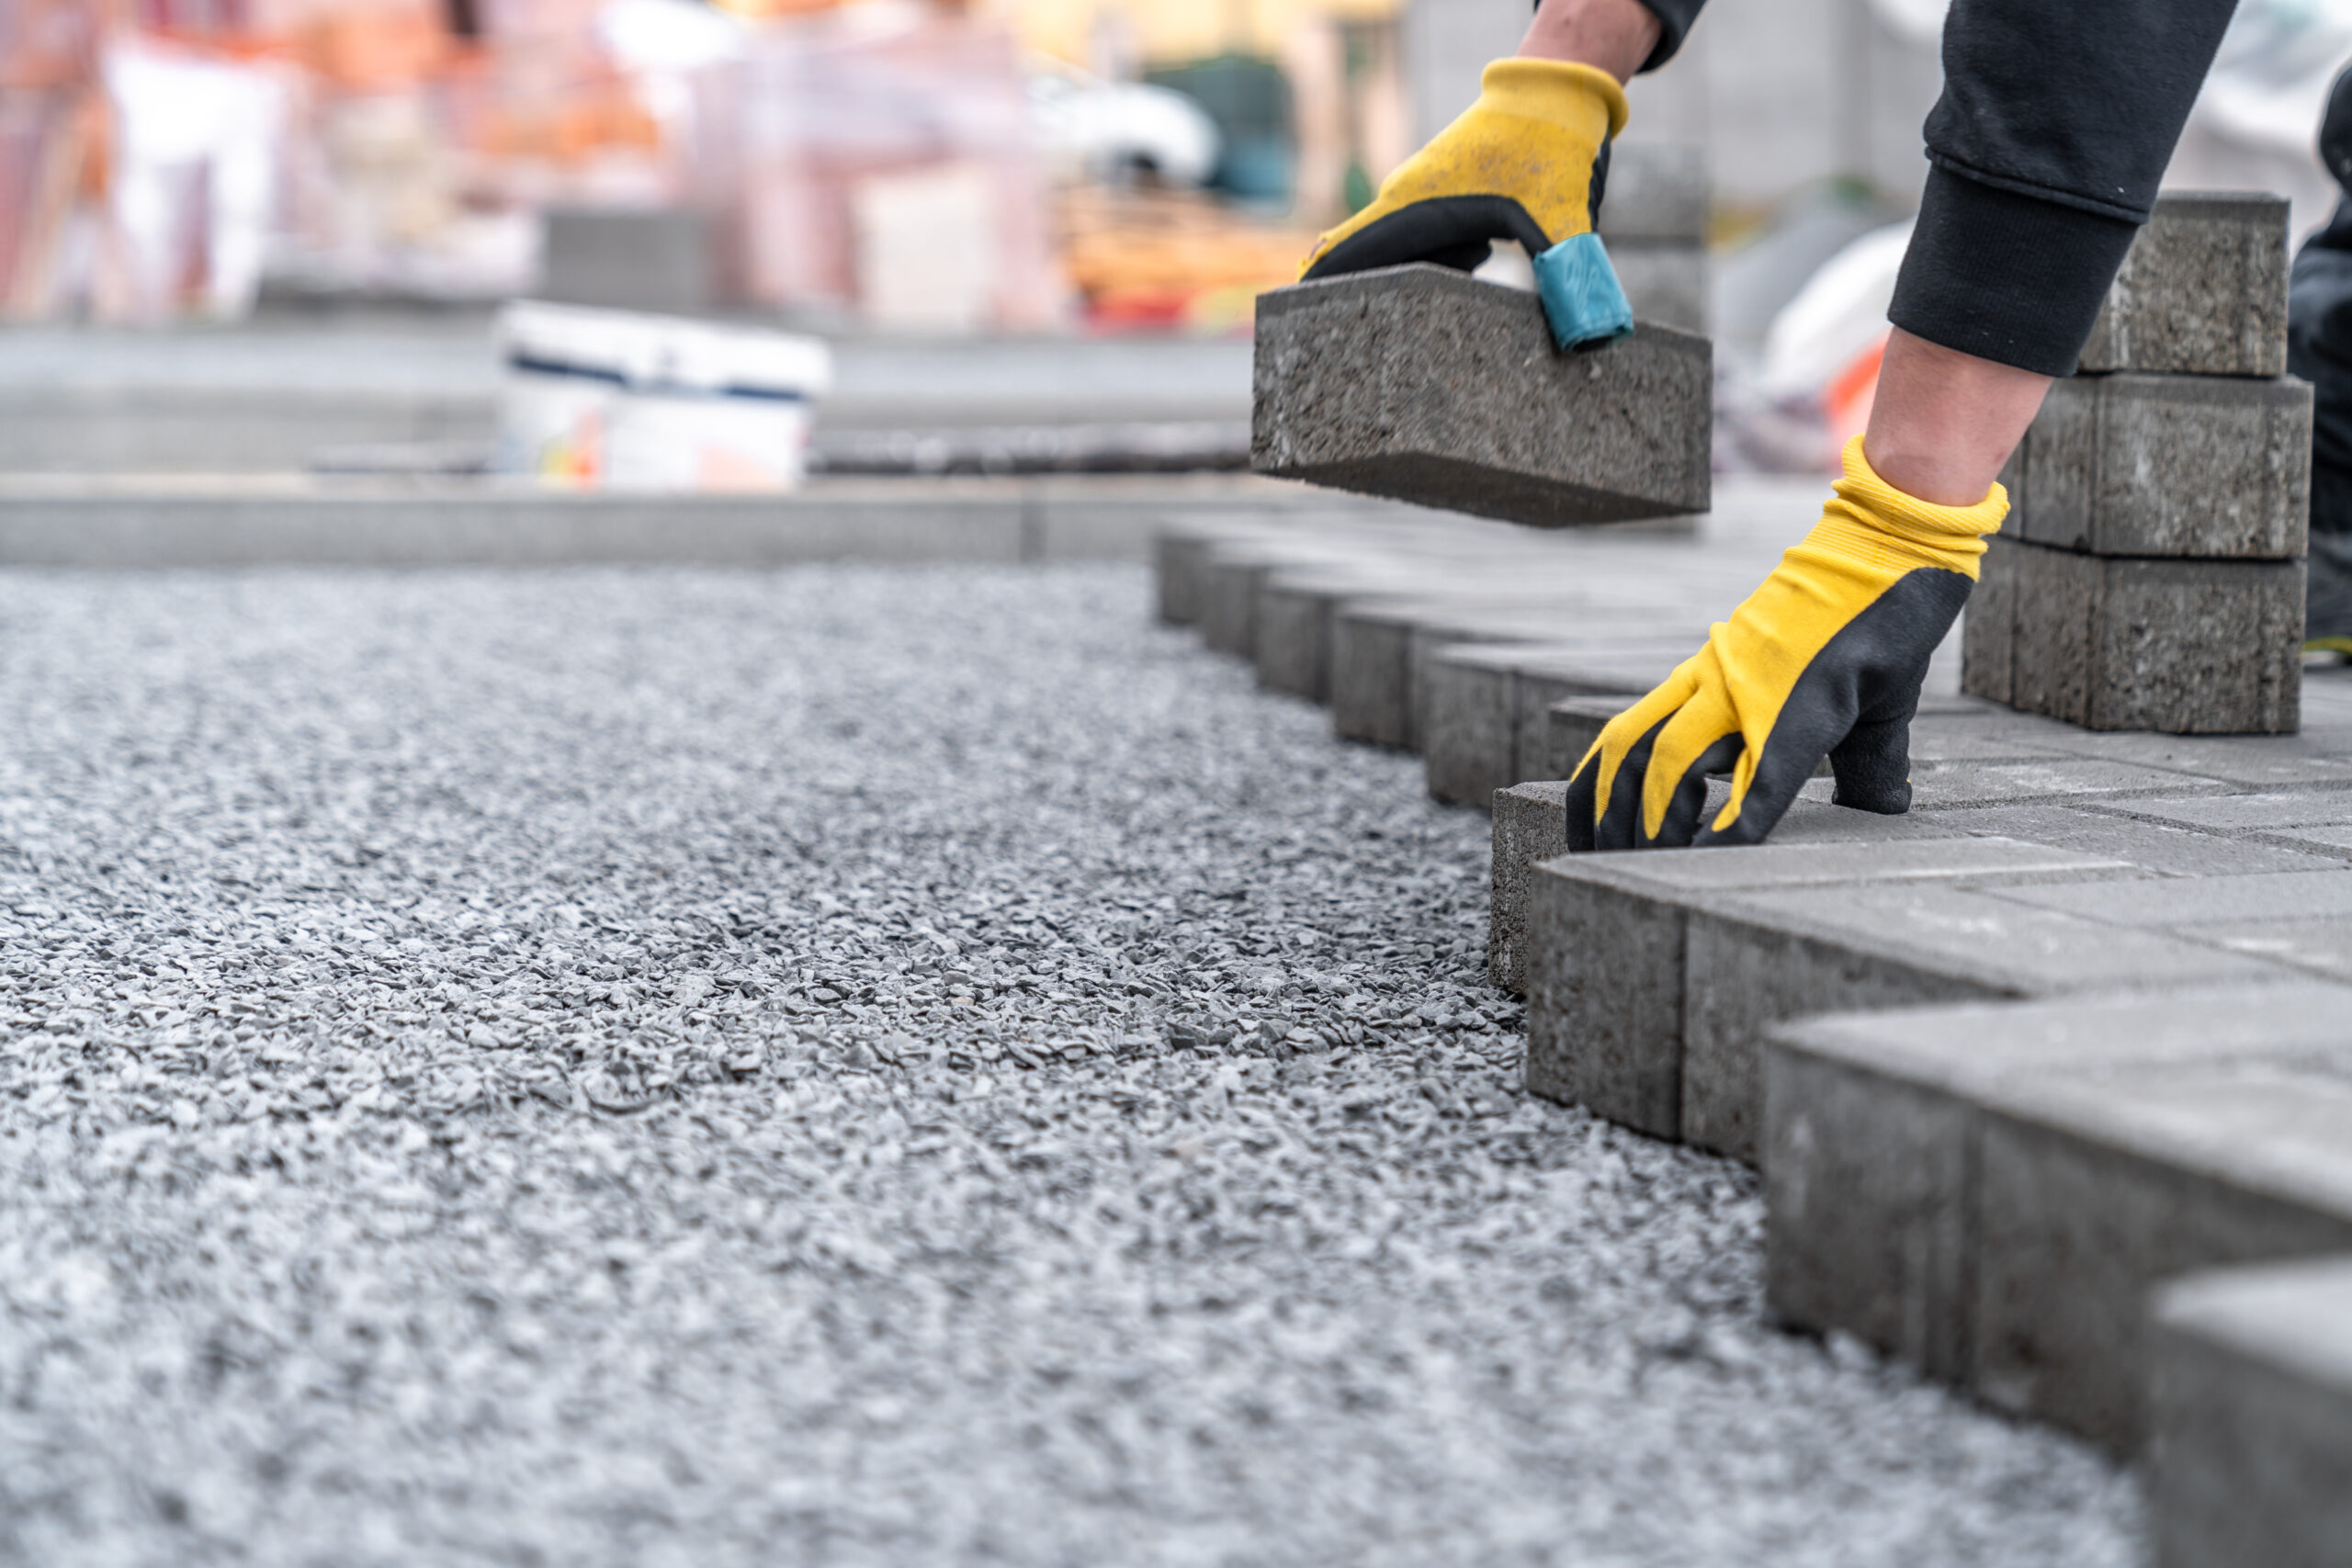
(1428,386)
(2179,901)
(1961,784)
(2252,1417)
(2158,848)
(2204,465)
(1531,827)
(2186,646)
(2248,813)
(1991,1193)
(1291,641)
(1757,960)
(2201,293)
(1484,708)
(1620,980)
(2321,946)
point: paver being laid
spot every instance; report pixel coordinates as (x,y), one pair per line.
(1991,1193)
(2251,1417)
(1426,385)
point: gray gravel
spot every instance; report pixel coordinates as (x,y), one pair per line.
(849,1065)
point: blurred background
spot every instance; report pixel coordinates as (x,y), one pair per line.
(921,184)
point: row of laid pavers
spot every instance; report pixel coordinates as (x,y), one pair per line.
(2033,1072)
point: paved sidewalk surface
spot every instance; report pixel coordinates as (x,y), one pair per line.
(844,1065)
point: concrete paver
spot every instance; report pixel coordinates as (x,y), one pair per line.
(2201,293)
(1426,385)
(2252,1417)
(1991,1193)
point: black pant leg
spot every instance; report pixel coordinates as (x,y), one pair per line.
(2056,122)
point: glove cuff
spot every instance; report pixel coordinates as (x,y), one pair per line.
(1558,92)
(1894,524)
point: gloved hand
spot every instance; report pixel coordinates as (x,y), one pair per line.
(1827,657)
(1524,163)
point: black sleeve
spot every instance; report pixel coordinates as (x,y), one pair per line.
(2056,122)
(1674,18)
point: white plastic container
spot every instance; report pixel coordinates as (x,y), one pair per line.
(612,400)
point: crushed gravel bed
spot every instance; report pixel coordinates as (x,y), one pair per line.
(847,1065)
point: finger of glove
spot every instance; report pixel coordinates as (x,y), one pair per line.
(1681,824)
(1688,749)
(1872,766)
(1616,762)
(1619,823)
(1581,785)
(1451,231)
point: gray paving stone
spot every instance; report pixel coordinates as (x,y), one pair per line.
(1178,561)
(1988,1192)
(2321,946)
(1180,557)
(1466,737)
(1482,710)
(1759,959)
(1229,584)
(2319,754)
(2161,848)
(1964,783)
(2252,1417)
(2241,812)
(2197,646)
(1618,977)
(1572,725)
(1543,673)
(2321,840)
(1431,387)
(1291,623)
(1531,827)
(1988,626)
(2178,901)
(1291,645)
(1235,575)
(2204,465)
(2202,291)
(1372,672)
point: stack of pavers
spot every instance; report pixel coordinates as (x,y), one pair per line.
(2050,1080)
(2150,575)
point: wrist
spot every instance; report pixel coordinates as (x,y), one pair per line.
(1557,91)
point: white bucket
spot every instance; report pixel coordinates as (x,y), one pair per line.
(618,400)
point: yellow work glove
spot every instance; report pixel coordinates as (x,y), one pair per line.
(1525,163)
(1825,657)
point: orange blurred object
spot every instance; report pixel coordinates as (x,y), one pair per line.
(1847,402)
(761,10)
(1169,259)
(377,48)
